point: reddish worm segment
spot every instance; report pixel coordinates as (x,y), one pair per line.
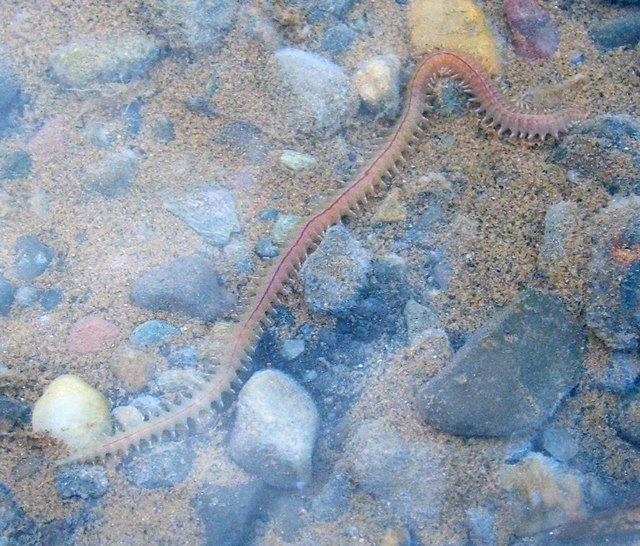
(498,113)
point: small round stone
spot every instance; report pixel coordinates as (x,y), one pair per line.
(378,84)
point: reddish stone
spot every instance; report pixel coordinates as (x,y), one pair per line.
(535,35)
(50,139)
(91,334)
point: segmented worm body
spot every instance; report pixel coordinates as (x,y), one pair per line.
(497,113)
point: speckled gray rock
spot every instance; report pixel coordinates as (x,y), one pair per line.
(284,228)
(7,295)
(319,90)
(560,222)
(13,521)
(16,165)
(89,61)
(613,311)
(335,273)
(275,429)
(560,444)
(225,511)
(511,375)
(628,419)
(115,177)
(32,257)
(188,285)
(82,481)
(209,211)
(13,413)
(196,24)
(152,332)
(11,101)
(246,140)
(618,32)
(405,475)
(619,374)
(163,466)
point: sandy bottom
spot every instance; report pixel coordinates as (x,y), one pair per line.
(494,221)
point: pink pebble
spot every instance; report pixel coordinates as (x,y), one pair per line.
(91,334)
(50,139)
(535,35)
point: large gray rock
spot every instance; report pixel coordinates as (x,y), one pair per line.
(335,273)
(188,285)
(511,375)
(319,90)
(275,430)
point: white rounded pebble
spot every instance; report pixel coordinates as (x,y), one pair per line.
(297,161)
(377,83)
(72,411)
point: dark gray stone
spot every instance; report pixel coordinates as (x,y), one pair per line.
(12,517)
(32,257)
(335,273)
(13,413)
(16,165)
(82,481)
(226,511)
(163,466)
(7,295)
(619,32)
(188,285)
(10,99)
(51,298)
(511,375)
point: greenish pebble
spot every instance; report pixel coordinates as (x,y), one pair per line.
(284,228)
(418,318)
(16,165)
(84,62)
(297,161)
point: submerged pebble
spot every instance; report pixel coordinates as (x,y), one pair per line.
(11,100)
(32,257)
(335,273)
(89,61)
(188,285)
(90,334)
(72,411)
(377,82)
(618,32)
(511,374)
(297,161)
(210,211)
(152,332)
(82,481)
(459,25)
(535,35)
(114,178)
(16,165)
(7,296)
(275,430)
(319,90)
(164,466)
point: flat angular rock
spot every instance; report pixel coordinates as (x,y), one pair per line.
(511,375)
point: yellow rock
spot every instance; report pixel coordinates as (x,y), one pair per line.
(459,25)
(72,411)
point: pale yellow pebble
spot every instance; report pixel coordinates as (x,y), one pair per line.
(391,209)
(132,367)
(72,411)
(128,417)
(458,25)
(377,82)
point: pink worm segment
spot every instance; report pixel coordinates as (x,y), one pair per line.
(498,113)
